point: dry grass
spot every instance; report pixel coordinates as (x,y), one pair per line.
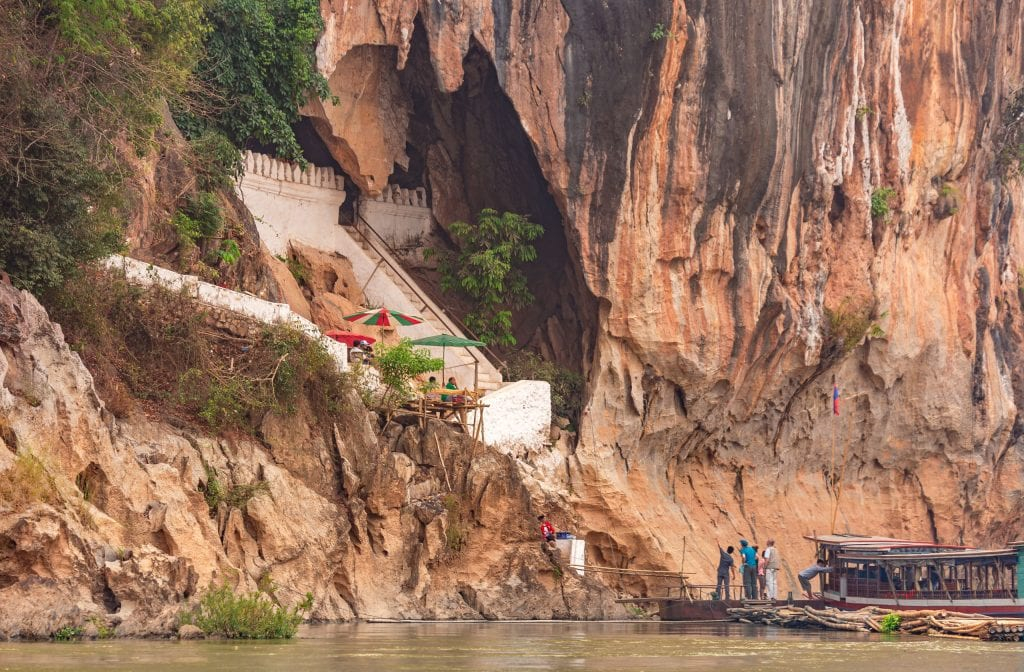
(27,482)
(852,322)
(161,350)
(455,531)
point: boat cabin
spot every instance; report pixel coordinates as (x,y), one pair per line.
(904,574)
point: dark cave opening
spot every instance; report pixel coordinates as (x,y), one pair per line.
(315,150)
(470,151)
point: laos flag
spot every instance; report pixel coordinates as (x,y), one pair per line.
(835,399)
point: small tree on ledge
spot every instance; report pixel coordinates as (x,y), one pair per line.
(398,365)
(485,270)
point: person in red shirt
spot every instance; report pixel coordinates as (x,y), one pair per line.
(547,530)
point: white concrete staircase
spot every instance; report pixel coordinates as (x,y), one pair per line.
(467,360)
(291,204)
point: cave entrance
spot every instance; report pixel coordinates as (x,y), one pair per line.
(469,149)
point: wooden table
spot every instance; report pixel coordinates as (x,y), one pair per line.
(430,405)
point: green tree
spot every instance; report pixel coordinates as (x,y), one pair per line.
(486,270)
(398,364)
(880,201)
(221,613)
(258,68)
(77,78)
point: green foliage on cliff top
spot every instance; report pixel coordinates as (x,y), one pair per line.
(221,613)
(84,85)
(81,84)
(257,69)
(486,270)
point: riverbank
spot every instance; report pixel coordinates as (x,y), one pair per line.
(933,623)
(454,647)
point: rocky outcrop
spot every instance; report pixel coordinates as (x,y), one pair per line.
(104,519)
(714,167)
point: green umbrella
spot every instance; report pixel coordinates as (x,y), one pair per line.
(445,340)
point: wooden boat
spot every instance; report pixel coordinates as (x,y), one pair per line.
(910,575)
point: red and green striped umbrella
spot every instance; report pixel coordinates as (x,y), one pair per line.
(382,317)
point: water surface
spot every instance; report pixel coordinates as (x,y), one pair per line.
(452,647)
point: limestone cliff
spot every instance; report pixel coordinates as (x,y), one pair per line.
(710,167)
(103,519)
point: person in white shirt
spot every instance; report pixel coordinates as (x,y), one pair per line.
(771,570)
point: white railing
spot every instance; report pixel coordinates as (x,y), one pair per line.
(395,194)
(276,169)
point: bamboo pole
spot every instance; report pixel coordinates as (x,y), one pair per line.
(633,572)
(842,476)
(832,466)
(438,444)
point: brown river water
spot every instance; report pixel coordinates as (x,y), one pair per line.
(452,647)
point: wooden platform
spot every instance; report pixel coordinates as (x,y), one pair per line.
(675,609)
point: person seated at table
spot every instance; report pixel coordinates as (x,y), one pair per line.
(355,354)
(450,385)
(432,394)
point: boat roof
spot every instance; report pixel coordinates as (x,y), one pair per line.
(855,545)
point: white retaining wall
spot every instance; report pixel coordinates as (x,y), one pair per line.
(517,417)
(267,312)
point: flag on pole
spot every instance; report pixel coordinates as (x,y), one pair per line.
(835,399)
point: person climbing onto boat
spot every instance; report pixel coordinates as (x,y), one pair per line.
(771,570)
(749,556)
(547,530)
(726,568)
(806,575)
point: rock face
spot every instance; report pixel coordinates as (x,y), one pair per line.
(104,520)
(714,167)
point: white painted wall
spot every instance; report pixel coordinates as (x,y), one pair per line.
(266,312)
(517,417)
(290,204)
(573,551)
(400,216)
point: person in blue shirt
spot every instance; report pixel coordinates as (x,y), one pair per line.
(749,558)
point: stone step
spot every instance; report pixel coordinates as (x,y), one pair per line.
(415,297)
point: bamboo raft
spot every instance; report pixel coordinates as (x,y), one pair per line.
(949,624)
